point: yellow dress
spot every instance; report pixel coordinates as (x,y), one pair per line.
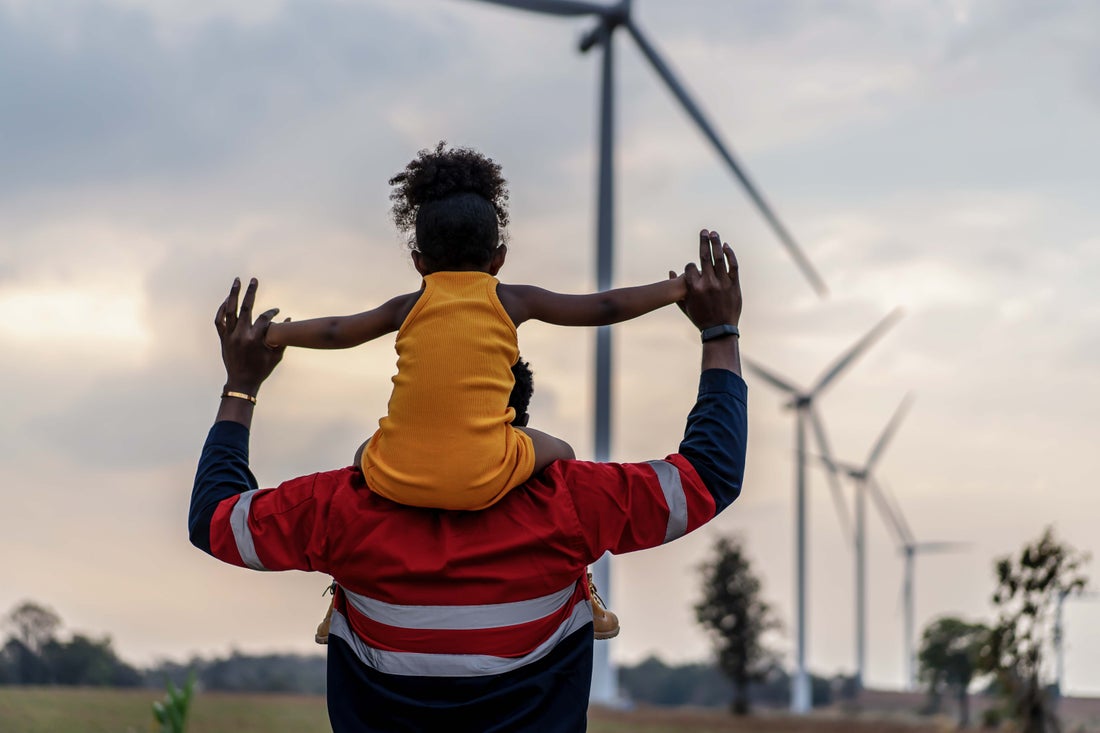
(447,440)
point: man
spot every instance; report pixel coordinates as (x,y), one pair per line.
(474,621)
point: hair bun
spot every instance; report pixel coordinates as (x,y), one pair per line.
(436,174)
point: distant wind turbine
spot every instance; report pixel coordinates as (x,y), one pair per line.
(802,402)
(609,18)
(908,546)
(860,475)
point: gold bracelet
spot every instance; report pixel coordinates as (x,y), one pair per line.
(239,396)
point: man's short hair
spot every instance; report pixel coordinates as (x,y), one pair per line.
(520,399)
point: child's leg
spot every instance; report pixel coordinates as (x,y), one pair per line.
(548,448)
(358,460)
(321,635)
(605,624)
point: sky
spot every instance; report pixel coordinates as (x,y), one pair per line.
(935,155)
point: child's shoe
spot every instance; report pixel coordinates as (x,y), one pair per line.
(321,637)
(605,623)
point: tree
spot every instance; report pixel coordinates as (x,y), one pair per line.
(21,666)
(88,662)
(1028,588)
(736,618)
(950,653)
(655,683)
(34,625)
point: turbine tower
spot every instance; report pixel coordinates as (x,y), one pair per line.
(802,402)
(860,475)
(909,547)
(609,18)
(1059,635)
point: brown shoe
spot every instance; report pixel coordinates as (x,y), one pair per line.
(321,637)
(605,623)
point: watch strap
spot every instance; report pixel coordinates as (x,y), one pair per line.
(715,332)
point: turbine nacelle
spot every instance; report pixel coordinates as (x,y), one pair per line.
(612,18)
(856,474)
(799,402)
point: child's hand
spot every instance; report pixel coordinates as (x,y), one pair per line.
(271,335)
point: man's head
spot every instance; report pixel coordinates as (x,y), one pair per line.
(520,399)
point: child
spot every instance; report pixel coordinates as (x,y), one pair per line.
(448,439)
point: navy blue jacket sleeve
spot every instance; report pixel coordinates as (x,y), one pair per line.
(716,437)
(223,472)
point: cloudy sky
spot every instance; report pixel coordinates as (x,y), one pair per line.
(936,155)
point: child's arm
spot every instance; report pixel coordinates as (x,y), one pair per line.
(342,332)
(526,302)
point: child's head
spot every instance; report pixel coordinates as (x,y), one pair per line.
(453,205)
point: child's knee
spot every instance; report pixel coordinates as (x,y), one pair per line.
(566,452)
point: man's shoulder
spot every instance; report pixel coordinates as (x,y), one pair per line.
(588,484)
(572,474)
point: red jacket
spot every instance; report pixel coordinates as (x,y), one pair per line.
(479,618)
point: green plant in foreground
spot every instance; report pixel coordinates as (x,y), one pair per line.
(171,712)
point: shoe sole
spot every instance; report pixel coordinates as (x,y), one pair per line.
(605,635)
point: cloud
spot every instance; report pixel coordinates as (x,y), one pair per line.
(93,94)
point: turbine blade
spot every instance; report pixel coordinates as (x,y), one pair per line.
(888,433)
(770,377)
(862,345)
(886,512)
(831,471)
(895,506)
(693,110)
(942,546)
(554,7)
(849,468)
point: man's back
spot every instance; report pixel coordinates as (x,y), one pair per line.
(468,614)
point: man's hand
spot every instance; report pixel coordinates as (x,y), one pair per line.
(248,362)
(713,299)
(713,288)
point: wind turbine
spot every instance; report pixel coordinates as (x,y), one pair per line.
(609,18)
(860,475)
(908,546)
(802,402)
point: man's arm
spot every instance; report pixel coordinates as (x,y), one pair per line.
(262,529)
(717,429)
(625,507)
(228,517)
(223,465)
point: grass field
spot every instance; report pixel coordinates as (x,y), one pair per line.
(68,710)
(60,710)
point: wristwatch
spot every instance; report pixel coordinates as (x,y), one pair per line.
(717,332)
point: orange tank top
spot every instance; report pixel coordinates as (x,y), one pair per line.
(447,439)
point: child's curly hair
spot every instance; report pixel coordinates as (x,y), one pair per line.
(453,203)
